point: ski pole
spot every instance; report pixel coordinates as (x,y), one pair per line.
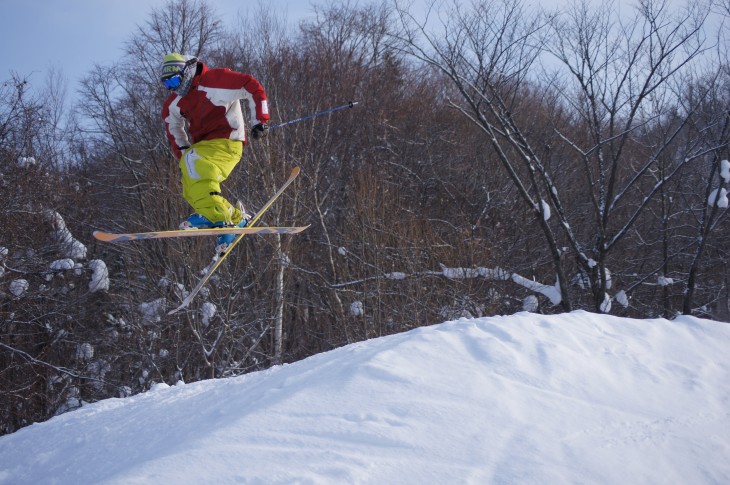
(348,105)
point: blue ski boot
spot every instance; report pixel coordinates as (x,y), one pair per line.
(224,241)
(196,221)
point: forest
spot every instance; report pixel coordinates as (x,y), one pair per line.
(500,158)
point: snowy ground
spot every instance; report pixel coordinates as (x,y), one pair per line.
(575,398)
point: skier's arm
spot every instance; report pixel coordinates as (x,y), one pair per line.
(175,126)
(246,87)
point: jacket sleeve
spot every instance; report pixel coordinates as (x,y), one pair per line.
(175,125)
(246,87)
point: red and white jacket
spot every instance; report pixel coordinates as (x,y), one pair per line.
(211,110)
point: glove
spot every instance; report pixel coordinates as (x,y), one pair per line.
(260,131)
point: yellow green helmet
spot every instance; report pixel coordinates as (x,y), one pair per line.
(172,65)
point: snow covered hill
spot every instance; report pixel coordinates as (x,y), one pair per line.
(575,398)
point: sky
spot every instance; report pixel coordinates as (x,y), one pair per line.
(73,35)
(526,398)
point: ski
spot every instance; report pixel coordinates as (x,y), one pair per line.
(216,263)
(111,237)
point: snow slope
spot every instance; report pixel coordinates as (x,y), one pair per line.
(574,398)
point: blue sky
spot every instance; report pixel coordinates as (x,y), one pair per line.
(73,35)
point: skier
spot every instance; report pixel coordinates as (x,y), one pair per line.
(204,123)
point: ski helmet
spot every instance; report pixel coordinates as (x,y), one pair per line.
(175,75)
(172,65)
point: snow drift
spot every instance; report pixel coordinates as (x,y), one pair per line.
(574,398)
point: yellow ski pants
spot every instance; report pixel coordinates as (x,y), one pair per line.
(204,166)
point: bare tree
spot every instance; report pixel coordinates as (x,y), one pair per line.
(613,79)
(488,54)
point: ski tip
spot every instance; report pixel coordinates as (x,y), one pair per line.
(175,310)
(183,305)
(295,171)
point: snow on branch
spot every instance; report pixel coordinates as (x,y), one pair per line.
(551,292)
(153,311)
(73,248)
(718,198)
(464,273)
(99,276)
(546,210)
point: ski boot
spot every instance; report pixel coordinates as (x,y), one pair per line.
(224,241)
(196,221)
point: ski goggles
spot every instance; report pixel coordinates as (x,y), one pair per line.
(172,82)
